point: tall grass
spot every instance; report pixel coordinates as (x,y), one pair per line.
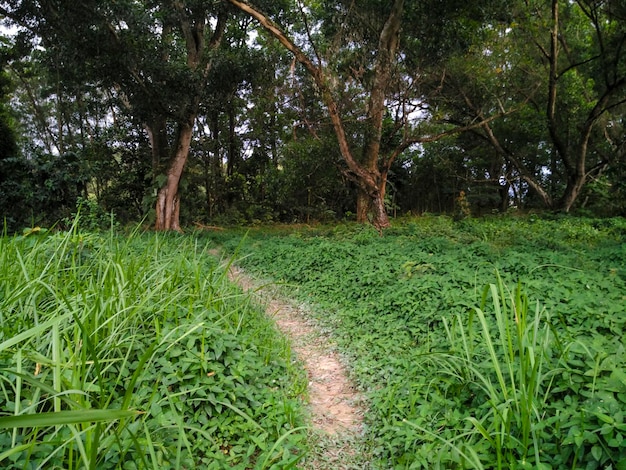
(136,352)
(509,358)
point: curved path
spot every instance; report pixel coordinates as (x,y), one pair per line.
(334,403)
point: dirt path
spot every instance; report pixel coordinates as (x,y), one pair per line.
(335,406)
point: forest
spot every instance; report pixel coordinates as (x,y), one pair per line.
(435,192)
(223,112)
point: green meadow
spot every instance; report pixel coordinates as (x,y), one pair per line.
(482,343)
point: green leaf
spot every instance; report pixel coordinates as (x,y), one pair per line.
(64,417)
(13,450)
(603,417)
(36,330)
(596,452)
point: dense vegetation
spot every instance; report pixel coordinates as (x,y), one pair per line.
(495,343)
(480,343)
(492,343)
(192,111)
(136,352)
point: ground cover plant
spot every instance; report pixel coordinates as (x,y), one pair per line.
(492,343)
(136,352)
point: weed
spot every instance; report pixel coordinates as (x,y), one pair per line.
(456,377)
(136,352)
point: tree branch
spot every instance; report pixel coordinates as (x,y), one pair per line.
(387,48)
(552,88)
(317,74)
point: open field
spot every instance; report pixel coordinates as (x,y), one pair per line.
(495,343)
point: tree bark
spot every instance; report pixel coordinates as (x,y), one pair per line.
(362,206)
(572,191)
(232,155)
(369,178)
(168,200)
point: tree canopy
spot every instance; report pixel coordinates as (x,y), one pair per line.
(185,111)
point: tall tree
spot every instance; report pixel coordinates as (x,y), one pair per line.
(155,57)
(192,22)
(368,69)
(604,64)
(563,66)
(365,172)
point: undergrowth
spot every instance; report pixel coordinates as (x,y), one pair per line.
(136,352)
(494,343)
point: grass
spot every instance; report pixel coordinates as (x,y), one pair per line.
(512,364)
(136,352)
(494,343)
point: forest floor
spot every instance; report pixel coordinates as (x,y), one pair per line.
(335,406)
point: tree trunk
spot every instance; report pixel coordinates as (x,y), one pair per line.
(574,185)
(216,164)
(385,56)
(379,212)
(232,148)
(367,175)
(168,200)
(363,203)
(157,134)
(372,204)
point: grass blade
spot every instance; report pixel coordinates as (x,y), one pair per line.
(59,418)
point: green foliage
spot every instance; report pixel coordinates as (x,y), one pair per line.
(120,174)
(508,363)
(459,376)
(41,190)
(308,186)
(14,184)
(137,353)
(263,148)
(16,189)
(90,217)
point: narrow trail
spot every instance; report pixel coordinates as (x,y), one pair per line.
(335,406)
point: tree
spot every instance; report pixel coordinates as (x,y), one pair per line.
(369,70)
(562,65)
(154,57)
(194,22)
(366,173)
(604,63)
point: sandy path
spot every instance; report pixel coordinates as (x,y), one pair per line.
(334,403)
